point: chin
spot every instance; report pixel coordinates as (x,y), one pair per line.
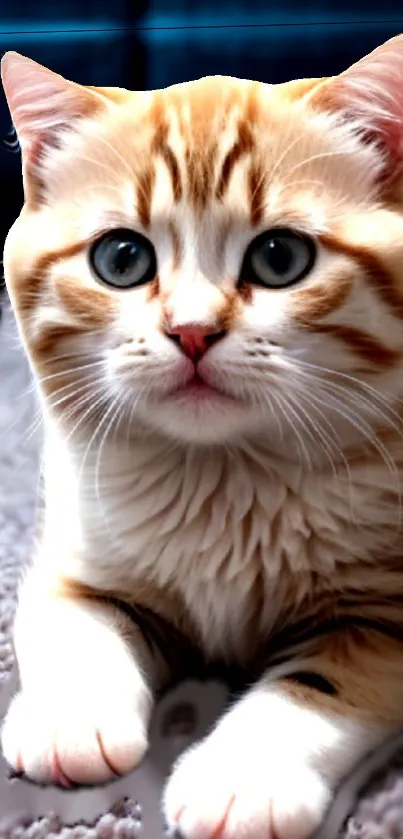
(205,422)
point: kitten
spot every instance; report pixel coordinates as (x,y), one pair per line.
(208,282)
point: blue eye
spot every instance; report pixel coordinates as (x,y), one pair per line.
(123,259)
(278,258)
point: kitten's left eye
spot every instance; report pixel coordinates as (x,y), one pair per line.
(278,258)
(123,259)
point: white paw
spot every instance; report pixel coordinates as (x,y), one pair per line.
(219,790)
(75,735)
(267,771)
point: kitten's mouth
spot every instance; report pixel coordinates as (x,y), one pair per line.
(198,389)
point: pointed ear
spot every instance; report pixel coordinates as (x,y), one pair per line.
(43,105)
(369,96)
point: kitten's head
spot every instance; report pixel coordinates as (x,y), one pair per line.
(218,261)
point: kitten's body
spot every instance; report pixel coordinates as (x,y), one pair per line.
(186,525)
(223,453)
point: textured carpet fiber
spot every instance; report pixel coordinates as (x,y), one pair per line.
(378,813)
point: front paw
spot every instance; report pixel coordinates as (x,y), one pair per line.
(74,736)
(221,791)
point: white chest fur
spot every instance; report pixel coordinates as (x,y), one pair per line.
(220,528)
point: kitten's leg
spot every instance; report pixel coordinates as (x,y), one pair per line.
(269,768)
(87,680)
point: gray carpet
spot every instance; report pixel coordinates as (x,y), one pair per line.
(378,812)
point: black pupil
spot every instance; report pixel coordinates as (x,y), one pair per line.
(125,254)
(279,255)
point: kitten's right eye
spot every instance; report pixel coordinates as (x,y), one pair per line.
(123,259)
(278,258)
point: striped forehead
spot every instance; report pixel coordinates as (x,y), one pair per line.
(201,109)
(200,135)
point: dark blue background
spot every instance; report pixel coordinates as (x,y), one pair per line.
(142,44)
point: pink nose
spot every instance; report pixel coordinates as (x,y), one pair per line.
(194,341)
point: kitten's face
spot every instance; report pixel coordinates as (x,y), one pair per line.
(213,260)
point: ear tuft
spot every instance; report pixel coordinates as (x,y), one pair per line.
(369,95)
(42,102)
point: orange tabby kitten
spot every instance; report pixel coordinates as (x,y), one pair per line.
(208,281)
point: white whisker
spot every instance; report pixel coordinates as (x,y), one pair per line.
(293,420)
(279,160)
(118,156)
(320,156)
(69,371)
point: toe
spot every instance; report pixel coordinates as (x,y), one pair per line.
(298,804)
(71,743)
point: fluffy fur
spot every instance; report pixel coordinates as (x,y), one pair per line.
(257,520)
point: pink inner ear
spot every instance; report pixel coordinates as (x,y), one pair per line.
(370,94)
(40,101)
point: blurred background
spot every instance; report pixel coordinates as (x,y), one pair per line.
(139,44)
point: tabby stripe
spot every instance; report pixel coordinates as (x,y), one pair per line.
(313,301)
(380,279)
(144,193)
(176,245)
(29,287)
(281,648)
(312,680)
(92,308)
(242,146)
(161,147)
(256,189)
(200,177)
(363,345)
(153,288)
(43,347)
